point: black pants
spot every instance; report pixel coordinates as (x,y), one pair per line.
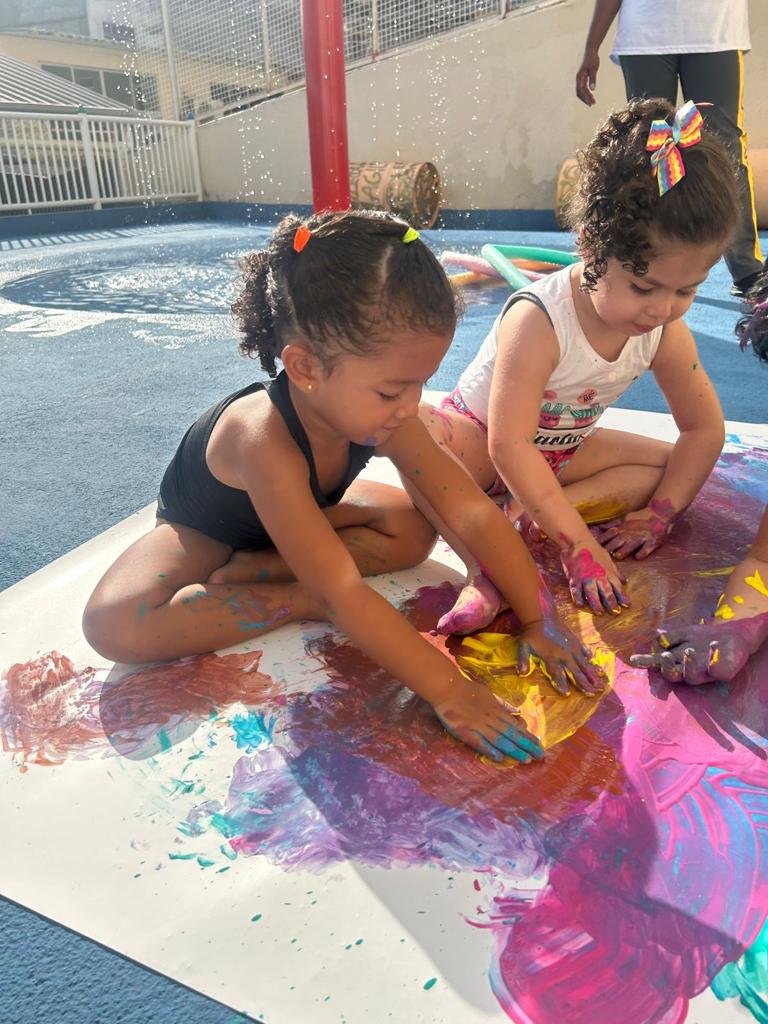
(716,78)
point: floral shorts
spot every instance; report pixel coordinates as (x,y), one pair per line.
(557,460)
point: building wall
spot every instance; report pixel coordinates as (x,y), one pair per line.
(492,106)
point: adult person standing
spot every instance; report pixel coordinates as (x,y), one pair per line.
(701,45)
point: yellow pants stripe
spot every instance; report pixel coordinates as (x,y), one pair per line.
(744,157)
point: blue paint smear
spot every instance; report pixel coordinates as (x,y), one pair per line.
(747,979)
(253,731)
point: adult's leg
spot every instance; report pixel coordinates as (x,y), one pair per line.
(718,78)
(650,75)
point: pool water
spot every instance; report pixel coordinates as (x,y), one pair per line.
(113,342)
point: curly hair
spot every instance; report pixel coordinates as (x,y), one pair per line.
(353,282)
(752,329)
(617,210)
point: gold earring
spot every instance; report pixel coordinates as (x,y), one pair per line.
(310,386)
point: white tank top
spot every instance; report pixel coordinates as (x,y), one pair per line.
(582,385)
(681,26)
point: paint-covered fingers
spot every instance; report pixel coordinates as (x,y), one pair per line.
(529,529)
(638,533)
(561,656)
(476,717)
(697,654)
(593,578)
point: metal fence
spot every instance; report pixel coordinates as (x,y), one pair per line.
(220,54)
(50,161)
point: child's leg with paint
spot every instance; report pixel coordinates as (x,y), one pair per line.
(611,474)
(157,600)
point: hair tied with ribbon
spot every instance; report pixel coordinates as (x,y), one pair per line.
(410,236)
(665,142)
(302,236)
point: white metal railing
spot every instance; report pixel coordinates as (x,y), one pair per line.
(53,160)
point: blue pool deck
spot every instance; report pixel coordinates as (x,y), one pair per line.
(112,342)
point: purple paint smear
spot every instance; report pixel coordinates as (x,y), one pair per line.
(650,824)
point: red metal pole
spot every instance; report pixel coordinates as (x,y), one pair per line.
(323,22)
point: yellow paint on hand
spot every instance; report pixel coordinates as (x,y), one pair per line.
(724,570)
(724,611)
(715,656)
(737,599)
(756,582)
(549,715)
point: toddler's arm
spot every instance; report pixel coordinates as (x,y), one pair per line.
(527,355)
(276,479)
(718,649)
(452,496)
(696,409)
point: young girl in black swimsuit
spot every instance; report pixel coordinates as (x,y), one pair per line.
(261,519)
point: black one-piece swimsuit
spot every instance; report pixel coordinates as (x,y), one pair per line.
(192,496)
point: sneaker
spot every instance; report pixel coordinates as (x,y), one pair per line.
(743,286)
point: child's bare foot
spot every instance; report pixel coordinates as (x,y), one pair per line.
(477,606)
(242,567)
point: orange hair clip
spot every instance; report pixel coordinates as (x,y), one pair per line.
(301,237)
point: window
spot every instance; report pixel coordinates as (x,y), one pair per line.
(139,91)
(89,78)
(58,69)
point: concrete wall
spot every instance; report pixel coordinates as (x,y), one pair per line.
(492,106)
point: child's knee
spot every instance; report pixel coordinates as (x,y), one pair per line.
(107,629)
(418,537)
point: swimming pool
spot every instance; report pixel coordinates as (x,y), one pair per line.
(114,341)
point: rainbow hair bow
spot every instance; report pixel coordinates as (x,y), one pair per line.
(664,140)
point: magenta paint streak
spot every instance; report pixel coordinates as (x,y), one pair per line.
(649,825)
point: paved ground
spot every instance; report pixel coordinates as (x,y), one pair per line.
(113,342)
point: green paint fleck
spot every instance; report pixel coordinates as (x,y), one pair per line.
(205,862)
(430,984)
(228,852)
(695,365)
(164,740)
(137,875)
(225,868)
(358,942)
(182,856)
(349,946)
(162,575)
(256,917)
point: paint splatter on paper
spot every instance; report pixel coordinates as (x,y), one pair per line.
(619,878)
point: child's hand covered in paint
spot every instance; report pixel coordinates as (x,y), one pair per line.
(593,579)
(637,533)
(475,716)
(561,656)
(714,651)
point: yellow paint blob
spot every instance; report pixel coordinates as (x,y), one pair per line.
(756,582)
(550,716)
(724,611)
(602,511)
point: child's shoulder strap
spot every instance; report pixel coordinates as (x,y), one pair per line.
(523,294)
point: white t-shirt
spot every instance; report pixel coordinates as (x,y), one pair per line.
(582,385)
(681,26)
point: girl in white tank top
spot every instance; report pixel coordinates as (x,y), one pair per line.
(524,415)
